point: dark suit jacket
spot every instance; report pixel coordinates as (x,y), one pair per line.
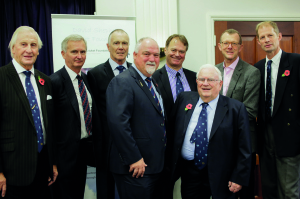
(244,87)
(286,110)
(135,123)
(162,79)
(67,121)
(18,141)
(229,149)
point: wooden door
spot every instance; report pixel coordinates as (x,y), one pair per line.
(252,51)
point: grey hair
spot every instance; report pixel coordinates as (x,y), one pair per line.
(73,37)
(210,66)
(116,30)
(15,36)
(138,44)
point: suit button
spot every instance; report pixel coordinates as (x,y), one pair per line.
(162,124)
(288,124)
(178,149)
(291,95)
(163,140)
(290,109)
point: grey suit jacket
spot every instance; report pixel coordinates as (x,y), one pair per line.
(244,87)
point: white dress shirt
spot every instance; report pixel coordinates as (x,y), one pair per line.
(22,77)
(114,66)
(74,81)
(188,148)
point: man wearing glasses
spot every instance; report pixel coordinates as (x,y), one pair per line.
(212,147)
(241,81)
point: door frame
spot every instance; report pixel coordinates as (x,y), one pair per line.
(212,17)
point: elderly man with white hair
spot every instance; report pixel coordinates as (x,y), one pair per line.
(212,146)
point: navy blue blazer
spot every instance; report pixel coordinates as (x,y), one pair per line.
(229,149)
(135,123)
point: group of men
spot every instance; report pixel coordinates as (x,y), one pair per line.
(144,128)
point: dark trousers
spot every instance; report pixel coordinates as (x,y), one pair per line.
(146,187)
(194,182)
(73,186)
(247,192)
(39,187)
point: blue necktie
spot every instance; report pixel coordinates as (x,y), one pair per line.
(199,136)
(85,105)
(148,80)
(34,110)
(179,87)
(121,69)
(268,91)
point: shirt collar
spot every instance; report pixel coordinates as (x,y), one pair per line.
(173,72)
(19,68)
(139,72)
(276,58)
(233,65)
(114,64)
(212,104)
(71,73)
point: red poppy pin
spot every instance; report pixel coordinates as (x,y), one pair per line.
(41,80)
(188,107)
(286,73)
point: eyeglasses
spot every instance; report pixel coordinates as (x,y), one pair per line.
(209,80)
(226,44)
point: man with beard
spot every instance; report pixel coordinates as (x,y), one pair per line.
(135,117)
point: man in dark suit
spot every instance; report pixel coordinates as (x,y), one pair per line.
(99,78)
(241,81)
(76,125)
(135,116)
(26,139)
(212,147)
(278,116)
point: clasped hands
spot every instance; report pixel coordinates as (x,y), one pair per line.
(138,168)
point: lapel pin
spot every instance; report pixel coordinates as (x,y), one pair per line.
(141,83)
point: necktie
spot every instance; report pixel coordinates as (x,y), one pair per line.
(268,91)
(120,68)
(199,136)
(148,80)
(179,87)
(85,105)
(34,110)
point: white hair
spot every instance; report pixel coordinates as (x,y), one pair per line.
(218,72)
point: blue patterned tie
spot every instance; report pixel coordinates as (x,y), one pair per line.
(179,87)
(34,110)
(199,136)
(148,80)
(121,69)
(268,91)
(85,106)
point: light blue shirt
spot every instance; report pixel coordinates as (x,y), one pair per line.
(114,66)
(188,148)
(156,93)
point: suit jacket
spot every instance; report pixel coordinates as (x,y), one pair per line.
(135,123)
(229,148)
(18,138)
(286,110)
(67,121)
(244,87)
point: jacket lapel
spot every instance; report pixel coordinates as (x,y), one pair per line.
(235,77)
(281,81)
(16,82)
(109,72)
(141,83)
(70,90)
(221,111)
(43,96)
(164,78)
(188,113)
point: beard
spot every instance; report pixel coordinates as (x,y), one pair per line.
(150,67)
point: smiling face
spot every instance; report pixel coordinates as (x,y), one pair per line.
(75,55)
(208,91)
(269,40)
(25,50)
(147,58)
(231,50)
(118,47)
(175,54)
